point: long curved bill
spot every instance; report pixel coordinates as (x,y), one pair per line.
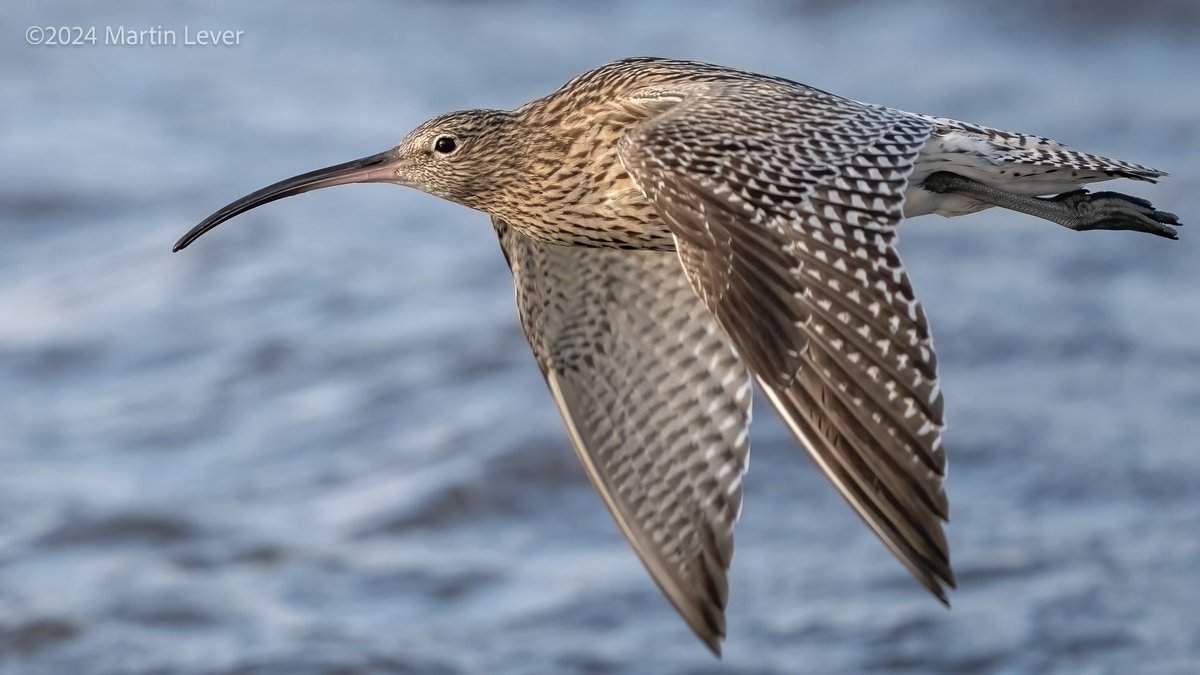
(380,168)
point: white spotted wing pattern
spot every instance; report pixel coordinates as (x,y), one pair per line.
(784,203)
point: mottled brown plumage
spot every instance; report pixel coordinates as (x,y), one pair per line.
(676,228)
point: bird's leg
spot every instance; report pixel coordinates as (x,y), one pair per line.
(1078,210)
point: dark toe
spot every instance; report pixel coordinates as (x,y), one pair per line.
(1137,201)
(1158,228)
(1164,217)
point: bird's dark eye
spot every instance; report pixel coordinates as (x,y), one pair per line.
(445,145)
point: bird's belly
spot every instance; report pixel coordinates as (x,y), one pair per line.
(921,202)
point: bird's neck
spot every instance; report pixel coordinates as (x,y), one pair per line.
(572,187)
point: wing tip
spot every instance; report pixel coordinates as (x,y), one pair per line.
(706,621)
(713,642)
(937,580)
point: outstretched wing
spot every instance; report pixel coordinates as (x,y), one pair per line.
(784,202)
(656,402)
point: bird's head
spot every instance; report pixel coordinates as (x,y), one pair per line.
(458,156)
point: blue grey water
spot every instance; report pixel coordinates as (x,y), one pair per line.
(315,442)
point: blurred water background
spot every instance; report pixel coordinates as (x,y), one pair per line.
(316,442)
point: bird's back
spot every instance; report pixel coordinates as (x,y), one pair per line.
(577,190)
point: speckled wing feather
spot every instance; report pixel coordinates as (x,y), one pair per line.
(656,402)
(784,202)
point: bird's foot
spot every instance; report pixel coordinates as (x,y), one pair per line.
(1115,211)
(1078,210)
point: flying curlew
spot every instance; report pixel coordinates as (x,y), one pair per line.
(676,230)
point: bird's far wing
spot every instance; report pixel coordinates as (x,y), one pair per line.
(784,203)
(656,403)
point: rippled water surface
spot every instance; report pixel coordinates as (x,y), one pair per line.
(316,441)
